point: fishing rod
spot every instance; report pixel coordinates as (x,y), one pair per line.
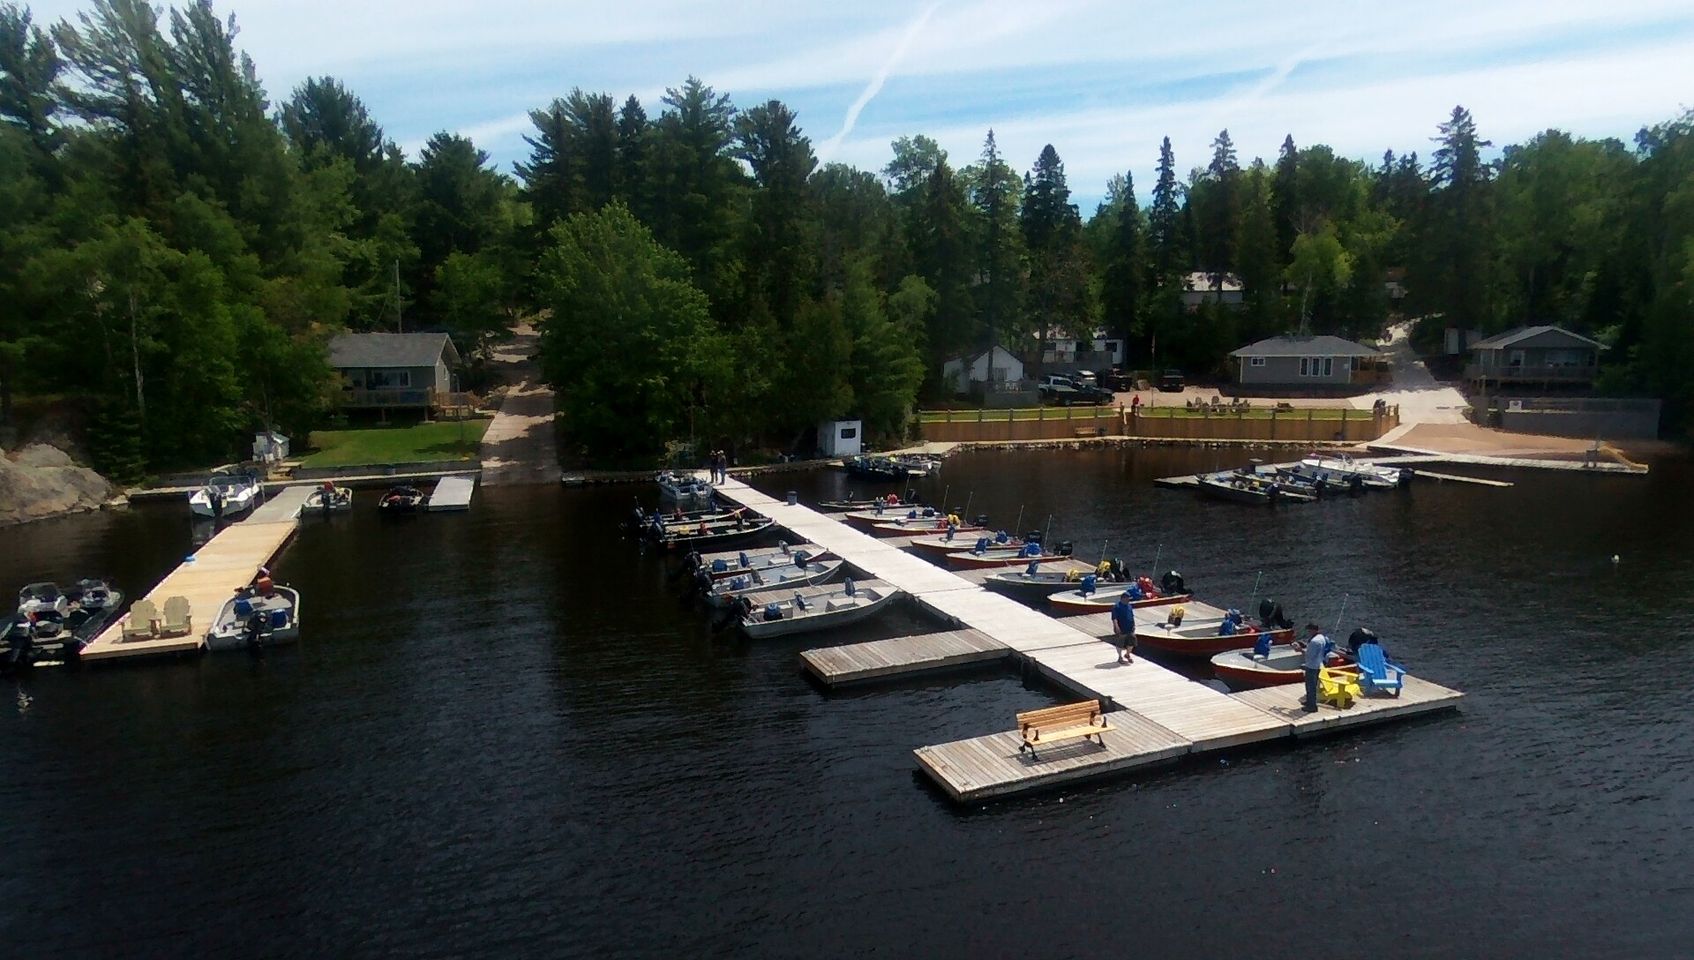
(968,500)
(1343,613)
(1157,554)
(1255,598)
(1047,533)
(1019,525)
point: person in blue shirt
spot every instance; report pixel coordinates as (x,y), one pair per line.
(1123,628)
(1317,648)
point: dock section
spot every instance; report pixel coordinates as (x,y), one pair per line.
(880,659)
(208,577)
(452,493)
(1158,714)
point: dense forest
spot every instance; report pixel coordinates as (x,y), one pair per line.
(177,251)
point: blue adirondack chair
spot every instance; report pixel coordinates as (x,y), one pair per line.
(1376,673)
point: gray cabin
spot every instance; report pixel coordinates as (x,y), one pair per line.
(384,371)
(1301,362)
(1544,355)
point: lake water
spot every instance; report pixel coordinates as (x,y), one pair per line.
(503,735)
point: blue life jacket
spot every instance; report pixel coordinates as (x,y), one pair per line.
(981,545)
(738,583)
(1002,537)
(744,561)
(849,589)
(1032,549)
(1134,592)
(773,611)
(1087,585)
(1228,627)
(719,566)
(1261,647)
(1031,568)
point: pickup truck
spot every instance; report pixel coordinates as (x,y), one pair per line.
(1063,391)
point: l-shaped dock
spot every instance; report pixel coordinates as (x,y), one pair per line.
(1156,713)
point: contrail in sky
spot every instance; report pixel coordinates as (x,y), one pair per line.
(873,88)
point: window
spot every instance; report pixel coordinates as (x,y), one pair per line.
(848,433)
(1316,366)
(388,379)
(1255,361)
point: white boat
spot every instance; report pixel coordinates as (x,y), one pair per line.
(329,498)
(1345,467)
(814,610)
(683,487)
(225,495)
(728,563)
(721,593)
(253,619)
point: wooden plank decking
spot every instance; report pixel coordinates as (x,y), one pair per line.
(1160,714)
(856,662)
(452,493)
(208,577)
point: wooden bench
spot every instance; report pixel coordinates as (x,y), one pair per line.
(1056,724)
(1088,431)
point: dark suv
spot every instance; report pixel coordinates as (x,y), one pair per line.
(1171,382)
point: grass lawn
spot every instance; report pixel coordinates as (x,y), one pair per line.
(443,440)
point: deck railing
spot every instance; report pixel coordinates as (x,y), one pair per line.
(1529,374)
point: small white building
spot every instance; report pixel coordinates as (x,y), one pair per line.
(1200,287)
(270,447)
(841,438)
(996,366)
(1101,351)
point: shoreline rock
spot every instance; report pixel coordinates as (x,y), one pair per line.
(42,481)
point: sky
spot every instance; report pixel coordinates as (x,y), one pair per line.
(1101,80)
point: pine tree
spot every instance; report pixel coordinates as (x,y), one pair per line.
(994,193)
(1457,243)
(1256,256)
(1219,215)
(1052,238)
(1285,199)
(1164,250)
(1122,268)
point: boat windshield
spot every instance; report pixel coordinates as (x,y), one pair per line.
(46,592)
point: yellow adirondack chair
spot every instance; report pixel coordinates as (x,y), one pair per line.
(142,618)
(177,622)
(1338,688)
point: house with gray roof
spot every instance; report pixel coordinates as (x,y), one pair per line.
(1301,362)
(1544,355)
(382,371)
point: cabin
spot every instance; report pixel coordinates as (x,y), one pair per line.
(1540,355)
(1303,362)
(386,371)
(1200,287)
(993,368)
(1063,352)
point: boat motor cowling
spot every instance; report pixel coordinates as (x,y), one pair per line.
(1065,548)
(1033,536)
(980,520)
(1172,583)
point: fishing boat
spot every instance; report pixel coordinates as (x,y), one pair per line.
(254,618)
(916,464)
(401,499)
(814,610)
(1201,639)
(1372,475)
(712,533)
(890,502)
(675,487)
(1101,597)
(878,469)
(1247,488)
(902,527)
(975,559)
(52,625)
(677,518)
(722,592)
(1034,583)
(728,563)
(1242,670)
(329,498)
(881,513)
(953,541)
(225,495)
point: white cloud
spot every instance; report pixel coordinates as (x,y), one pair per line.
(827,148)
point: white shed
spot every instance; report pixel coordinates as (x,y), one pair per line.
(270,447)
(998,365)
(841,438)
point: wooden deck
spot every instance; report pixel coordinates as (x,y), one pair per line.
(208,577)
(452,493)
(1159,713)
(877,659)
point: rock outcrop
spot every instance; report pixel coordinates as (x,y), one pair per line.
(42,481)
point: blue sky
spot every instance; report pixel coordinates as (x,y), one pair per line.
(1101,81)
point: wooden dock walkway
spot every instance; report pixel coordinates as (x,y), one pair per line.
(208,577)
(878,659)
(1158,713)
(452,493)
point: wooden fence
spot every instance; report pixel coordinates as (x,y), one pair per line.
(1063,423)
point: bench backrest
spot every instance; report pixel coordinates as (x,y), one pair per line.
(1057,718)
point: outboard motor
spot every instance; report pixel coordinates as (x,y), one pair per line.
(1359,638)
(799,602)
(980,520)
(783,546)
(801,558)
(17,652)
(1172,583)
(254,634)
(1355,484)
(745,561)
(773,611)
(1064,548)
(1033,536)
(1267,606)
(1119,572)
(703,580)
(1280,619)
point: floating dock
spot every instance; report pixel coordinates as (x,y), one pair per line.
(880,659)
(1157,714)
(208,578)
(452,493)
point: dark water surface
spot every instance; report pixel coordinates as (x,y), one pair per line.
(502,736)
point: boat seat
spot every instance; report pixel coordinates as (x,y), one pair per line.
(1057,724)
(840,604)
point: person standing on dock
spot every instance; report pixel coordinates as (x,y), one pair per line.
(1123,628)
(1317,653)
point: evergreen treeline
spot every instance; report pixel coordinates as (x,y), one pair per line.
(177,251)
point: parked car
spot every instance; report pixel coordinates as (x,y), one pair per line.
(1062,390)
(1118,380)
(1172,381)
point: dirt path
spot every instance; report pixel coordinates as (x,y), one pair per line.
(520,445)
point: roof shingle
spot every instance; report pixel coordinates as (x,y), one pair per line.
(349,350)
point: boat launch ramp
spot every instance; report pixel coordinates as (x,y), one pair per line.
(207,578)
(1155,713)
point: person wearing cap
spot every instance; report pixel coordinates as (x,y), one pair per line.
(1317,648)
(1123,626)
